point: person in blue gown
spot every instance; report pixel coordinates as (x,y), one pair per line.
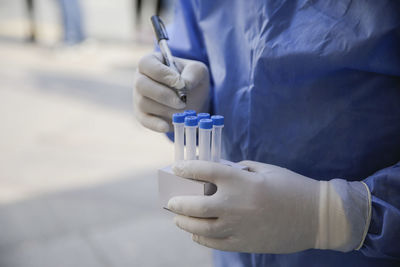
(309,86)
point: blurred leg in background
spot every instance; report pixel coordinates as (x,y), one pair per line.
(138,13)
(159,7)
(72,22)
(31,19)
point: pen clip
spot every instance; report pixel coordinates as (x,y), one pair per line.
(159,28)
(164,29)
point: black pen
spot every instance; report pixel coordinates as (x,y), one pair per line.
(162,37)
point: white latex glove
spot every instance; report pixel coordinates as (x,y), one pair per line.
(269,209)
(154,99)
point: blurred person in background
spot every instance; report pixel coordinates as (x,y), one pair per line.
(71,14)
(161,7)
(138,4)
(310,91)
(72,22)
(31,18)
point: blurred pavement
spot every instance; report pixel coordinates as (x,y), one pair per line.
(77,173)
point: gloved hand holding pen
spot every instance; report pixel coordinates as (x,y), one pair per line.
(154,97)
(269,209)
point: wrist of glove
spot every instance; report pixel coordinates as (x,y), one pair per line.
(269,209)
(155,99)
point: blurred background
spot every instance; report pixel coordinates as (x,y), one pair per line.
(77,173)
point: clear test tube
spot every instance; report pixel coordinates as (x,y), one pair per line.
(201,116)
(218,124)
(178,120)
(205,128)
(190,134)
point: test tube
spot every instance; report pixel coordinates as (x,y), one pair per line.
(205,127)
(218,124)
(178,120)
(190,133)
(190,112)
(201,116)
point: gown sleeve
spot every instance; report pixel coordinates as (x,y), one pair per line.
(382,239)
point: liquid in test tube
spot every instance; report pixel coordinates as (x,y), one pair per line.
(205,128)
(190,133)
(218,124)
(178,120)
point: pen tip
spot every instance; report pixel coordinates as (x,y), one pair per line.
(183,98)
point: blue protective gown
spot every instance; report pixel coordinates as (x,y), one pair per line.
(312,86)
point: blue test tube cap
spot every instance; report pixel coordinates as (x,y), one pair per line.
(203,116)
(218,120)
(178,117)
(191,121)
(206,124)
(190,112)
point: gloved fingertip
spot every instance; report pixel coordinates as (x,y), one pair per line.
(162,127)
(180,83)
(178,104)
(176,221)
(175,80)
(178,167)
(171,204)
